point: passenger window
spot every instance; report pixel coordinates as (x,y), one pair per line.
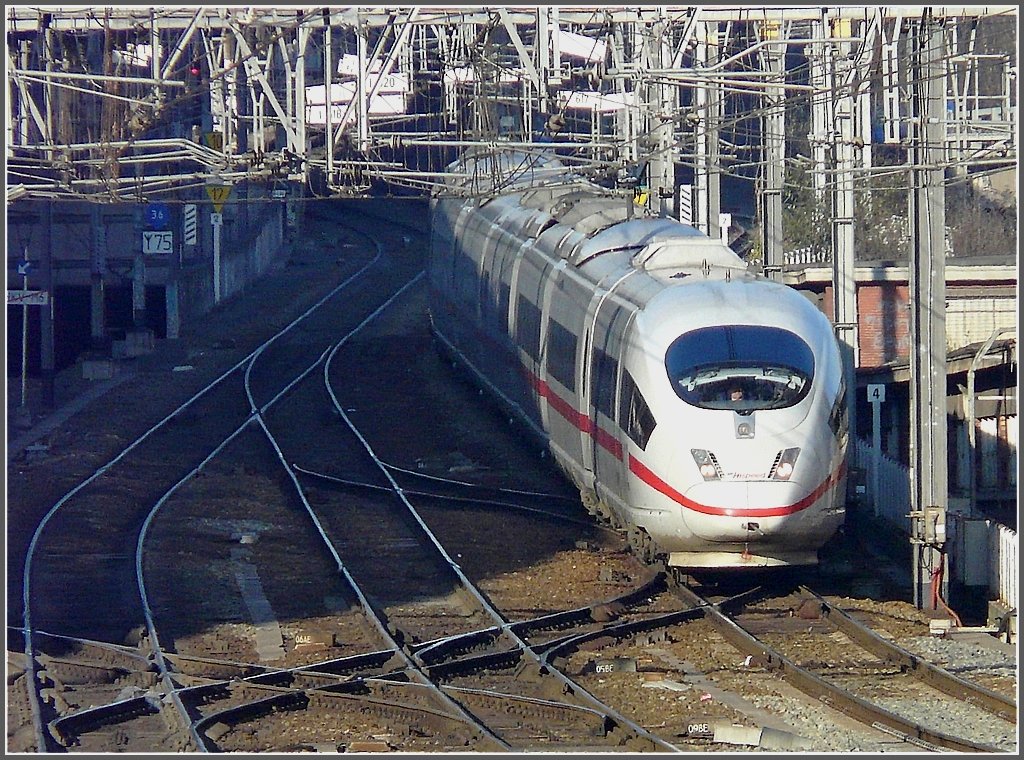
(503,293)
(485,299)
(466,281)
(528,327)
(635,416)
(838,418)
(604,369)
(561,355)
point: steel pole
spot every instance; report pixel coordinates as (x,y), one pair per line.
(216,263)
(24,340)
(876,453)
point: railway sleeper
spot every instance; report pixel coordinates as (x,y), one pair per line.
(72,672)
(457,646)
(383,660)
(214,727)
(205,694)
(403,718)
(217,671)
(494,662)
(537,709)
(66,730)
(406,693)
(92,654)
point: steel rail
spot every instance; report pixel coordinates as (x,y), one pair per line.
(936,677)
(818,688)
(552,708)
(41,736)
(568,685)
(297,699)
(164,670)
(255,415)
(153,635)
(455,499)
(67,727)
(342,667)
(376,617)
(452,481)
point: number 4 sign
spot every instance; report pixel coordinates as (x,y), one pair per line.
(876,393)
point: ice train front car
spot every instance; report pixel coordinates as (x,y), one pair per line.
(696,404)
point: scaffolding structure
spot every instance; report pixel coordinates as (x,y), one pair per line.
(133,103)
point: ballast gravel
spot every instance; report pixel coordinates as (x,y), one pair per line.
(823,734)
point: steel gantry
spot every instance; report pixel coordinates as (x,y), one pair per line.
(130,103)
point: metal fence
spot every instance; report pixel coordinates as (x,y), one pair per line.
(983,552)
(1003,570)
(887,482)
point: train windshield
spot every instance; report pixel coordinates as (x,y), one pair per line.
(740,367)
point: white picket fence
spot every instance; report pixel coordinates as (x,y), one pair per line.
(1003,570)
(980,540)
(892,500)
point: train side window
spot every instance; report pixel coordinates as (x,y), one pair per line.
(484,298)
(561,355)
(838,418)
(604,369)
(635,416)
(503,295)
(528,326)
(466,280)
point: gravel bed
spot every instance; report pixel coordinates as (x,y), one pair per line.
(966,659)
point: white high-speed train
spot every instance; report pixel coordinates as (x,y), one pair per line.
(694,403)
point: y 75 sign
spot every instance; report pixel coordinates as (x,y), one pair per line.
(158,242)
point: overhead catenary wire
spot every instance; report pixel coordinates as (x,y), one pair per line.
(740,125)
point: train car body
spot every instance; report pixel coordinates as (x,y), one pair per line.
(695,403)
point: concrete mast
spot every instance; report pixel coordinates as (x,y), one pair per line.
(929,477)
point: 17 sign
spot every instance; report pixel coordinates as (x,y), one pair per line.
(157,242)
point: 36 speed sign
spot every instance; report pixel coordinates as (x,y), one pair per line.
(158,242)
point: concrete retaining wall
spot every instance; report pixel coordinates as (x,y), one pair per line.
(244,258)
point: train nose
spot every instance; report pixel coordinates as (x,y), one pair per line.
(757,509)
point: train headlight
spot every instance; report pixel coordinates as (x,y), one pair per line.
(706,464)
(784,464)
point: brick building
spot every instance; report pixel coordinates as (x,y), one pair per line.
(981,298)
(981,295)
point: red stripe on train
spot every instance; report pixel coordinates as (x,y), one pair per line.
(584,423)
(639,469)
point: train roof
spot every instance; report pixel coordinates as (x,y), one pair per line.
(746,299)
(535,191)
(486,171)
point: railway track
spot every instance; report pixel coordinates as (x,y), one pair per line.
(85,555)
(413,590)
(403,615)
(105,720)
(835,659)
